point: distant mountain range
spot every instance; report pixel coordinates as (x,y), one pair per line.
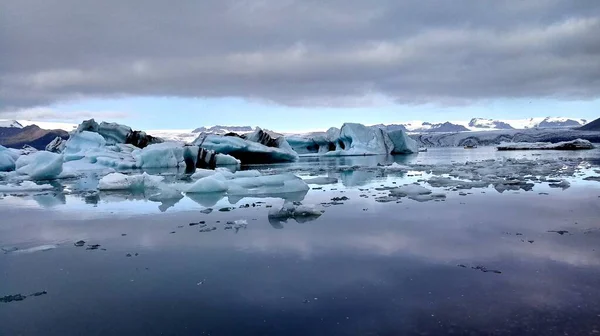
(17,136)
(482,124)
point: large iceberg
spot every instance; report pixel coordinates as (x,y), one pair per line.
(255,147)
(40,165)
(355,139)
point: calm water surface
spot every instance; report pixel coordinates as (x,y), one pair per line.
(480,263)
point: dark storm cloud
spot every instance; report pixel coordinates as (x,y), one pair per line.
(309,52)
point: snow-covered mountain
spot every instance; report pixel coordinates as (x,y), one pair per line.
(488,124)
(483,124)
(10,123)
(426,127)
(218,129)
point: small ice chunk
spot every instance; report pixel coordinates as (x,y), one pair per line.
(298,212)
(40,165)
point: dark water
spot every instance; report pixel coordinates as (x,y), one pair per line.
(362,268)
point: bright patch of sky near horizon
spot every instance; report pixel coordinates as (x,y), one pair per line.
(185,113)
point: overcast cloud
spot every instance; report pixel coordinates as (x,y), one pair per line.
(299,52)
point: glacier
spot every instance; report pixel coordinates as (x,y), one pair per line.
(496,137)
(576,144)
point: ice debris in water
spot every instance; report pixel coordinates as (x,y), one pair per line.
(25,186)
(321,180)
(119,181)
(298,212)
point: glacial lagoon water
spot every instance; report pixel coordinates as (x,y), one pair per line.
(502,259)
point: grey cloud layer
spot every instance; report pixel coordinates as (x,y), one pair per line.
(311,52)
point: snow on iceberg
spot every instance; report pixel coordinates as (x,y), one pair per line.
(118,181)
(256,147)
(40,165)
(576,144)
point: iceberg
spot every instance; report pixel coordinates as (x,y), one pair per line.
(162,155)
(256,147)
(118,181)
(245,183)
(8,156)
(354,139)
(117,134)
(40,165)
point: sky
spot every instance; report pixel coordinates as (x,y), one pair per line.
(292,65)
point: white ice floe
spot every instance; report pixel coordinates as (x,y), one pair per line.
(118,181)
(25,186)
(564,145)
(410,190)
(248,183)
(40,165)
